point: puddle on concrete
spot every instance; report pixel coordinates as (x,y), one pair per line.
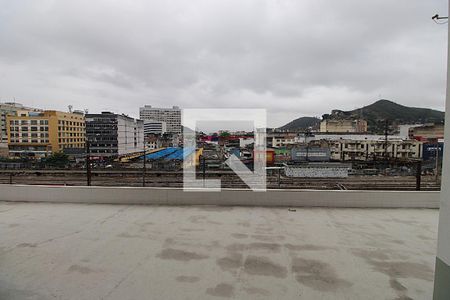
(244,224)
(268,238)
(396,285)
(27,245)
(239,235)
(317,275)
(192,229)
(403,269)
(189,279)
(379,254)
(263,266)
(129,236)
(257,291)
(221,290)
(271,247)
(307,247)
(181,255)
(80,269)
(395,269)
(231,262)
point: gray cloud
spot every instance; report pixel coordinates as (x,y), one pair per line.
(293,57)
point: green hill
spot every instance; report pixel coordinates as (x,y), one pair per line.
(375,114)
(301,124)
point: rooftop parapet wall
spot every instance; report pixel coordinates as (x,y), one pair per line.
(227,197)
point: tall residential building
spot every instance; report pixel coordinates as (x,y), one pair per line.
(110,134)
(171,116)
(41,133)
(10,108)
(343,125)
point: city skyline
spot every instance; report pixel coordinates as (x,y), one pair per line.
(294,59)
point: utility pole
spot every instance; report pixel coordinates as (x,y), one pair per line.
(418,174)
(144,169)
(386,140)
(437,160)
(307,134)
(88,162)
(203,159)
(279,177)
(386,146)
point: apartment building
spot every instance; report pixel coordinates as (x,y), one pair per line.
(343,125)
(282,139)
(9,108)
(171,116)
(110,134)
(38,134)
(154,127)
(365,150)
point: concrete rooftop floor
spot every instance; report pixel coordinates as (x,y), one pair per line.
(79,251)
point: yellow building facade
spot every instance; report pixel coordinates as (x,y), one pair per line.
(42,133)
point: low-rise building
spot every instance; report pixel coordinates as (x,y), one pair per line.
(366,150)
(427,132)
(6,109)
(282,139)
(38,134)
(306,153)
(343,125)
(10,108)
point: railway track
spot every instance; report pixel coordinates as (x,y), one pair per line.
(228,179)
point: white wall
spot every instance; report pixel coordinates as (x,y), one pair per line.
(173,196)
(444,215)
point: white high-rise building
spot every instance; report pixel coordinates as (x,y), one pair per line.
(154,127)
(171,116)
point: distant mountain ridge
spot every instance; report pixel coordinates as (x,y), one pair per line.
(376,113)
(302,123)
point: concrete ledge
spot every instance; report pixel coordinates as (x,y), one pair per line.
(234,197)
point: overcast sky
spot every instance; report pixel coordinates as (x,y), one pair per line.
(293,57)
